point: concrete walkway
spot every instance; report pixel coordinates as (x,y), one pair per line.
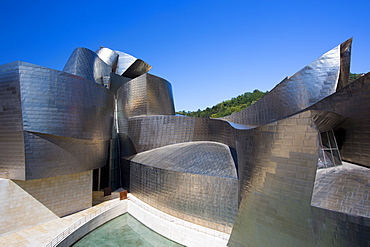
(183,232)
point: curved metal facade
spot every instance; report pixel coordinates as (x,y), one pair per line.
(281,201)
(149,132)
(87,64)
(145,95)
(54,121)
(353,135)
(281,189)
(188,180)
(314,82)
(131,67)
(260,174)
(109,57)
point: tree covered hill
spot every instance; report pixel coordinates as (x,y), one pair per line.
(236,104)
(353,77)
(227,107)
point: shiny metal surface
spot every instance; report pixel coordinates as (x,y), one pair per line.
(53,121)
(284,202)
(116,82)
(131,67)
(139,67)
(149,132)
(345,62)
(109,57)
(281,201)
(353,135)
(145,95)
(336,184)
(193,181)
(124,62)
(12,157)
(266,176)
(199,157)
(295,93)
(87,64)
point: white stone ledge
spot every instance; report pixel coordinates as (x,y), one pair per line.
(178,230)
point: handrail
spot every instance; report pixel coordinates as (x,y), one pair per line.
(63,235)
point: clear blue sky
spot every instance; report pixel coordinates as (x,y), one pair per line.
(210,51)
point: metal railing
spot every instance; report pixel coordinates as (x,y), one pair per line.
(57,240)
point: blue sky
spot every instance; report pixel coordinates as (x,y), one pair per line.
(210,51)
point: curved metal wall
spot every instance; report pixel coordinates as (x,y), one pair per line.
(194,181)
(148,132)
(353,136)
(55,111)
(295,93)
(61,104)
(55,123)
(12,159)
(145,95)
(131,67)
(277,183)
(87,64)
(109,57)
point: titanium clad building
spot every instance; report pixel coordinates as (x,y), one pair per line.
(273,174)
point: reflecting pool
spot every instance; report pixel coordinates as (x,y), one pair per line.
(124,230)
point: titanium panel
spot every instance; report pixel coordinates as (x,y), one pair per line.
(50,156)
(277,181)
(12,160)
(353,136)
(108,56)
(51,122)
(131,67)
(295,93)
(347,184)
(57,103)
(124,62)
(87,64)
(201,157)
(145,95)
(195,182)
(345,62)
(149,132)
(138,68)
(116,82)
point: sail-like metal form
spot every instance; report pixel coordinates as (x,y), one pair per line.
(311,84)
(87,64)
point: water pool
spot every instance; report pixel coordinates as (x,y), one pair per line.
(124,230)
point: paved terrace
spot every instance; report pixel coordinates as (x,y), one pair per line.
(43,234)
(178,230)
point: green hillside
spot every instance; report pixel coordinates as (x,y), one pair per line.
(227,107)
(353,77)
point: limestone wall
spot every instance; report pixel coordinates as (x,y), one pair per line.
(62,194)
(19,210)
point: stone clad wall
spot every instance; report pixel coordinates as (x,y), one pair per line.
(19,209)
(62,194)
